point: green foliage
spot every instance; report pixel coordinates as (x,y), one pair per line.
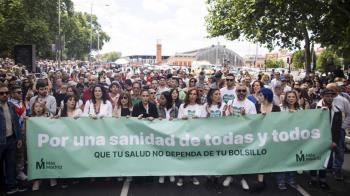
(298,59)
(36,22)
(111,56)
(281,23)
(270,63)
(328,61)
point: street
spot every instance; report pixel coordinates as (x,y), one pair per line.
(105,188)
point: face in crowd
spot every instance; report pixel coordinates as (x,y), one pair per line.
(230,81)
(256,87)
(152,94)
(42,91)
(154,84)
(136,88)
(162,82)
(98,92)
(277,75)
(145,97)
(92,81)
(162,100)
(193,96)
(241,92)
(4,93)
(192,82)
(291,98)
(71,103)
(328,98)
(17,94)
(216,97)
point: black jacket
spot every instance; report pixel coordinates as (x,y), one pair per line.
(138,109)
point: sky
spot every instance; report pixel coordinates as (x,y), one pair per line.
(135,26)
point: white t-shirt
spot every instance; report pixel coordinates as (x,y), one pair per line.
(214,110)
(105,109)
(190,111)
(287,89)
(227,95)
(248,106)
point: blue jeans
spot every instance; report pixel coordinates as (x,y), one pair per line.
(8,152)
(283,177)
(338,158)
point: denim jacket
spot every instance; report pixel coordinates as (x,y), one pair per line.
(15,124)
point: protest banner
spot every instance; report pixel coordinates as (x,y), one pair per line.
(283,141)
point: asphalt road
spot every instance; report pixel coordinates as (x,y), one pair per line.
(151,187)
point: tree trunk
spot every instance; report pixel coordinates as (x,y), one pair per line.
(307,52)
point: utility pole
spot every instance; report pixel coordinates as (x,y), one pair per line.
(59,34)
(90,60)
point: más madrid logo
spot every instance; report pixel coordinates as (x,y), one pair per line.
(302,157)
(45,164)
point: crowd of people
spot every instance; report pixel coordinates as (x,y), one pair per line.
(167,94)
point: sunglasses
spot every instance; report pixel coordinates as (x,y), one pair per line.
(230,80)
(4,93)
(241,91)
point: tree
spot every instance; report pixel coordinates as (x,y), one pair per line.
(111,56)
(36,22)
(298,59)
(270,63)
(328,61)
(77,33)
(276,22)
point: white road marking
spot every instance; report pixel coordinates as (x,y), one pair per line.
(302,191)
(125,188)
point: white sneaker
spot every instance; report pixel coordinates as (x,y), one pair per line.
(36,185)
(227,181)
(244,184)
(172,178)
(120,179)
(300,172)
(22,176)
(180,182)
(195,181)
(128,179)
(53,182)
(161,180)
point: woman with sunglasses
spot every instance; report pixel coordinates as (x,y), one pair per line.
(124,106)
(192,83)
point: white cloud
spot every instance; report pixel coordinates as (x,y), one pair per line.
(135,25)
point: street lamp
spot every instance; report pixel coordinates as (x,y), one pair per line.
(59,33)
(98,35)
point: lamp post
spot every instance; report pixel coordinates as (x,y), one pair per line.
(98,35)
(59,33)
(90,35)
